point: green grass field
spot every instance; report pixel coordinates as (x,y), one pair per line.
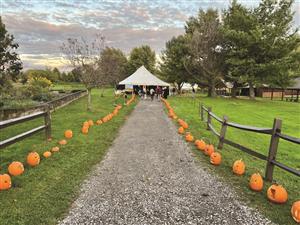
(67,86)
(259,113)
(43,194)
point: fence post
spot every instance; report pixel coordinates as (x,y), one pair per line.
(223,132)
(201,111)
(47,119)
(208,117)
(273,149)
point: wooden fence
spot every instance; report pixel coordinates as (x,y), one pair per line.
(44,110)
(6,114)
(274,132)
(47,126)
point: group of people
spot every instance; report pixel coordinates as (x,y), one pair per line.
(152,91)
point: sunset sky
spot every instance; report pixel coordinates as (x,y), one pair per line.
(40,26)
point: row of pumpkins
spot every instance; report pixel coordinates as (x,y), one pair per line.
(276,193)
(33,159)
(16,168)
(87,124)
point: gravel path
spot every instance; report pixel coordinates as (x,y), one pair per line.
(149,177)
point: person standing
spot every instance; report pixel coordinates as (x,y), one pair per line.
(152,92)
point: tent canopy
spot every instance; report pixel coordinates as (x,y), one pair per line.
(143,77)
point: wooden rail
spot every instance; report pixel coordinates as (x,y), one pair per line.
(47,126)
(274,132)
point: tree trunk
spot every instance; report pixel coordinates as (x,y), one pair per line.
(102,93)
(234,90)
(212,89)
(89,106)
(251,91)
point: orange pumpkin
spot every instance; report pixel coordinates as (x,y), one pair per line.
(55,149)
(105,119)
(5,182)
(33,159)
(209,149)
(189,137)
(68,134)
(201,145)
(277,194)
(99,122)
(185,125)
(197,142)
(215,158)
(86,124)
(91,123)
(62,142)
(16,168)
(180,121)
(180,130)
(238,167)
(47,154)
(256,182)
(295,210)
(84,130)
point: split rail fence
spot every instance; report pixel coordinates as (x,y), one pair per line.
(274,133)
(44,111)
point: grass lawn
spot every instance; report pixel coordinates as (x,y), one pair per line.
(43,194)
(258,113)
(67,86)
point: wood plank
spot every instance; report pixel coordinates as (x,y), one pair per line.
(19,137)
(10,122)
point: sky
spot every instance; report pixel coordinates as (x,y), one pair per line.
(41,26)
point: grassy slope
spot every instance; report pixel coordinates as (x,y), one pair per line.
(42,194)
(256,113)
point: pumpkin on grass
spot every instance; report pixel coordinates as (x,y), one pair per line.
(215,158)
(295,210)
(91,123)
(189,137)
(209,149)
(62,142)
(68,134)
(5,182)
(33,159)
(99,122)
(277,194)
(180,130)
(86,124)
(47,154)
(15,168)
(201,145)
(256,182)
(55,149)
(238,167)
(185,125)
(85,130)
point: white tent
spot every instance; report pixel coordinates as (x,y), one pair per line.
(143,77)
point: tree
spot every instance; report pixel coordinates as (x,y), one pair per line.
(140,56)
(172,67)
(279,43)
(206,61)
(239,33)
(112,64)
(84,55)
(259,45)
(10,63)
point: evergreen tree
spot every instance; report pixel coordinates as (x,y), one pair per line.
(10,63)
(172,68)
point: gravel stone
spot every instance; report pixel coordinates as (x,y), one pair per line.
(150,176)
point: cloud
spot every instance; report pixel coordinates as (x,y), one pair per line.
(40,27)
